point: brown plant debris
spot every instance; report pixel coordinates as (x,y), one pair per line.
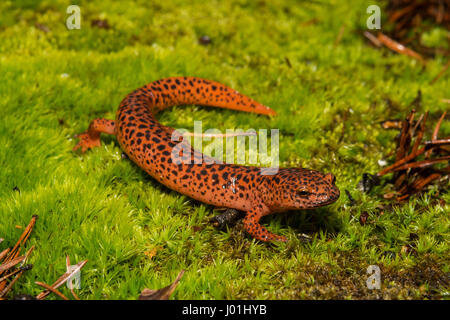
(408,19)
(100,23)
(61,280)
(415,161)
(52,289)
(398,47)
(12,264)
(161,294)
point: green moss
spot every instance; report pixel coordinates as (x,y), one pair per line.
(330,100)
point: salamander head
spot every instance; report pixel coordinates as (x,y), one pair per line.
(297,188)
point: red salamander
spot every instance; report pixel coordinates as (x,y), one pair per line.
(150,145)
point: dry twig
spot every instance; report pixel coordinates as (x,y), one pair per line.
(411,174)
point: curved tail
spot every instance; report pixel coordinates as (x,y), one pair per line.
(191,90)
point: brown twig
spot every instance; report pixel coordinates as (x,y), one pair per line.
(11,259)
(373,39)
(11,263)
(339,36)
(441,142)
(51,289)
(71,289)
(62,279)
(4,253)
(74,295)
(9,275)
(23,238)
(407,20)
(421,183)
(421,164)
(398,47)
(391,124)
(401,161)
(436,132)
(9,286)
(161,294)
(444,69)
(410,174)
(421,132)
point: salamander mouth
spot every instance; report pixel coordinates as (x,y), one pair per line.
(335,196)
(326,203)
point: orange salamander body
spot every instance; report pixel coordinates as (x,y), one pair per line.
(150,145)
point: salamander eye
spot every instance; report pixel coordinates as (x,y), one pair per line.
(303,192)
(331,178)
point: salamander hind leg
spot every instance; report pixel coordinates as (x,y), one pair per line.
(91,137)
(252,226)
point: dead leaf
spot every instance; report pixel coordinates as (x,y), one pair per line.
(152,252)
(161,294)
(100,23)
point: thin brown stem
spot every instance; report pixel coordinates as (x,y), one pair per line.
(6,290)
(23,238)
(62,279)
(421,164)
(51,289)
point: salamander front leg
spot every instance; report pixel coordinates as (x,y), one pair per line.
(252,226)
(91,137)
(229,217)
